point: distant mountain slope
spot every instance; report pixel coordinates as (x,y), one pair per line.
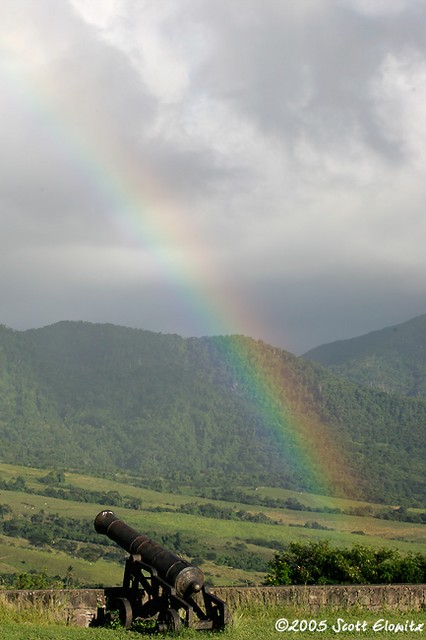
(392,359)
(222,410)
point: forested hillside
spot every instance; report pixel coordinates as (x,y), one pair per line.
(210,410)
(392,359)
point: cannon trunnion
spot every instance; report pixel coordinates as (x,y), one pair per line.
(158,584)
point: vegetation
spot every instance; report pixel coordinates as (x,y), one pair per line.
(232,541)
(67,534)
(392,359)
(34,579)
(225,411)
(319,563)
(69,492)
(203,444)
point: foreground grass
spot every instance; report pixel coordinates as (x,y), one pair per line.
(249,623)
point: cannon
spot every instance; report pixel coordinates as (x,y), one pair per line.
(159,585)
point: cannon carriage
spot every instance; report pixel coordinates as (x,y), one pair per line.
(158,584)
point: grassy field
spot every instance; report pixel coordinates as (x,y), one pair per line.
(219,536)
(18,556)
(249,623)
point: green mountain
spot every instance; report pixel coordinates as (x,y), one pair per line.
(224,411)
(392,359)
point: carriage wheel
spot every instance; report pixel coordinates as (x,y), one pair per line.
(169,620)
(125,612)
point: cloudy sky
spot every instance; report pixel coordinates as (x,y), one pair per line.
(204,167)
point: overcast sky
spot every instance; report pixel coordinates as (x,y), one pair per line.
(214,166)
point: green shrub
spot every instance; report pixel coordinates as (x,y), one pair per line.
(319,563)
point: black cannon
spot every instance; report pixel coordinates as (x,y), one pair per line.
(158,584)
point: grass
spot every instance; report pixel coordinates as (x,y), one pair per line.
(32,631)
(309,499)
(18,556)
(249,623)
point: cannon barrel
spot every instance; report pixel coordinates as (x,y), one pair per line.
(186,579)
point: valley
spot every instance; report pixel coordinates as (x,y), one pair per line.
(231,547)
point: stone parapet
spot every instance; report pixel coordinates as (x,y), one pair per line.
(401,597)
(82,606)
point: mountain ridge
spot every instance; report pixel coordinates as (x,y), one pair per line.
(392,359)
(99,396)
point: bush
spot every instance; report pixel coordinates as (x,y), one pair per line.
(319,563)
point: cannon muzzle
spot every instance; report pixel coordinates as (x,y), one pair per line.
(186,579)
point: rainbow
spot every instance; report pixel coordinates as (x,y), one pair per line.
(140,207)
(315,452)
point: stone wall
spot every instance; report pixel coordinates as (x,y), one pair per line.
(406,597)
(74,606)
(82,606)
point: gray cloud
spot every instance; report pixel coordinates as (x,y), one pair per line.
(202,167)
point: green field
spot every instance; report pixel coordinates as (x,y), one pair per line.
(221,537)
(249,623)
